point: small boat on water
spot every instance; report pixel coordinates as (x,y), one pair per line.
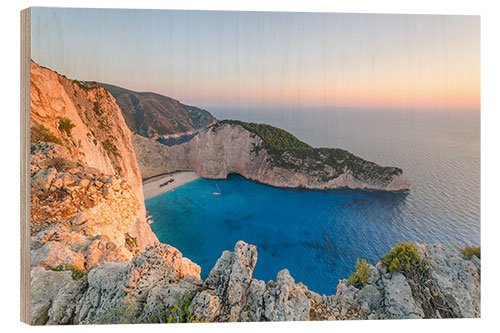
(218,190)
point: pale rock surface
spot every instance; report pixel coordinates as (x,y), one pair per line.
(48,289)
(159,284)
(457,276)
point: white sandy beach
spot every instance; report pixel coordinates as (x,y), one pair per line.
(151,187)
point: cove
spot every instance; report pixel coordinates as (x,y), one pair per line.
(316,235)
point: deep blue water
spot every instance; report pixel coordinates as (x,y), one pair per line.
(319,235)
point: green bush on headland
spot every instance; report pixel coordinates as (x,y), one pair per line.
(273,137)
(403,258)
(286,151)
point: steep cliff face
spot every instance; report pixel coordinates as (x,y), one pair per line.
(160,286)
(247,149)
(154,115)
(85,120)
(156,159)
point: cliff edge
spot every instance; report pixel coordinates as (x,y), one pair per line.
(87,126)
(160,286)
(268,155)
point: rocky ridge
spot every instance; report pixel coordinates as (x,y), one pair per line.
(159,285)
(230,147)
(154,115)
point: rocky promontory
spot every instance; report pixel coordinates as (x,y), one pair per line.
(268,155)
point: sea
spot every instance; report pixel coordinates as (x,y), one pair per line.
(319,235)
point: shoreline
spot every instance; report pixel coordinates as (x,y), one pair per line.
(151,187)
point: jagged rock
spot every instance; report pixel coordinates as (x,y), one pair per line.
(285,300)
(159,285)
(160,263)
(399,302)
(370,298)
(231,277)
(106,290)
(205,306)
(168,302)
(48,290)
(457,276)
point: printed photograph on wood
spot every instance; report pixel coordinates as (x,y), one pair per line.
(218,166)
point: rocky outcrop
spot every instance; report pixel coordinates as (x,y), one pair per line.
(233,147)
(79,123)
(450,288)
(80,217)
(159,285)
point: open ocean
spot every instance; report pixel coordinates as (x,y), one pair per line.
(319,235)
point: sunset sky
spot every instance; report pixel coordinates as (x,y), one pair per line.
(262,59)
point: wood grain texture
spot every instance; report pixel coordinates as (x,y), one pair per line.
(25,179)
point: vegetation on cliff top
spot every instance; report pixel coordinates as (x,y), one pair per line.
(403,258)
(128,313)
(273,137)
(360,277)
(470,251)
(286,151)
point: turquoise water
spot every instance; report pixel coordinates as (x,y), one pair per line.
(319,235)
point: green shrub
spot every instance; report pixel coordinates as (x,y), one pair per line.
(110,147)
(360,276)
(61,164)
(125,314)
(469,251)
(128,313)
(97,109)
(76,274)
(130,241)
(178,313)
(41,133)
(403,258)
(66,125)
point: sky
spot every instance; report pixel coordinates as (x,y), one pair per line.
(217,59)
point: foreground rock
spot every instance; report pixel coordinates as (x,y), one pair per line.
(278,159)
(160,285)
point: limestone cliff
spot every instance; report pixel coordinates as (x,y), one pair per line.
(85,120)
(156,159)
(268,155)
